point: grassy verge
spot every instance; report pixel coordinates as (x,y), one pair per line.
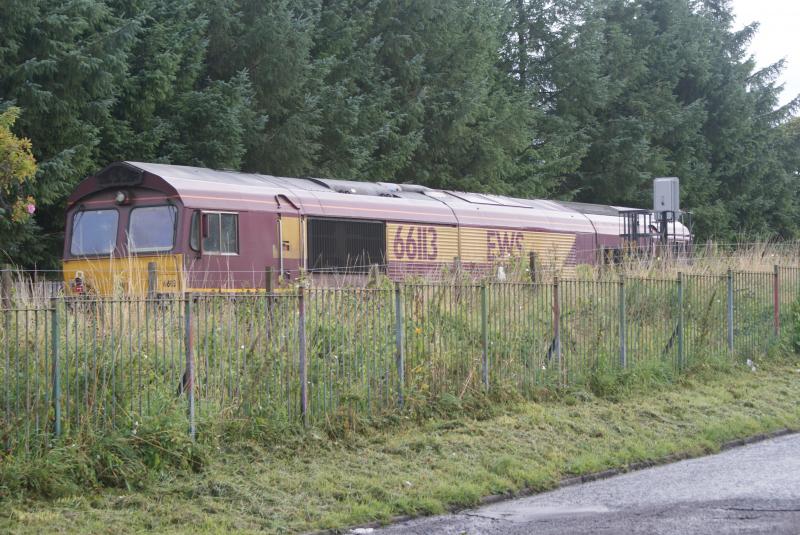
(305,480)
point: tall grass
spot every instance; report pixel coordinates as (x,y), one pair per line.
(121,360)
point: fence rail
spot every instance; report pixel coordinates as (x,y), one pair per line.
(322,355)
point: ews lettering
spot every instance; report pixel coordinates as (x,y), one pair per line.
(503,244)
(415,243)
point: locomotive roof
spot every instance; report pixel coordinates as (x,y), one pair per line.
(594,209)
(233,190)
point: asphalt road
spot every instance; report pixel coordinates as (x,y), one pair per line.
(751,489)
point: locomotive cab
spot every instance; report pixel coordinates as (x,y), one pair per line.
(148,229)
(123,235)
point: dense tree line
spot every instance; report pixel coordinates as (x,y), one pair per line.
(580,99)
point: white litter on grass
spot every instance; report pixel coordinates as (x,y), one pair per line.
(501,273)
(359,531)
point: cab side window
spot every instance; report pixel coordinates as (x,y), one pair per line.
(220,232)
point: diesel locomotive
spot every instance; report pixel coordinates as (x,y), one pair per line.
(147,227)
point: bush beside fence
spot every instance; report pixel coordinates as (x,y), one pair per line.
(329,356)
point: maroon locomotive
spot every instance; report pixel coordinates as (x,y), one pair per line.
(167,228)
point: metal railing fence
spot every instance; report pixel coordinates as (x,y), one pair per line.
(317,356)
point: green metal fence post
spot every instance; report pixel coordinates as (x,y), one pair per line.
(623,350)
(680,321)
(189,374)
(398,340)
(152,280)
(532,266)
(557,323)
(6,284)
(730,310)
(776,301)
(485,334)
(54,336)
(301,339)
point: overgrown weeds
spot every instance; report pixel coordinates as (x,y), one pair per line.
(126,358)
(125,459)
(300,480)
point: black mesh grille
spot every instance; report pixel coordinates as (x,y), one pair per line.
(341,245)
(119,174)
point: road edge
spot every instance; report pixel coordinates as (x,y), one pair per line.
(571,481)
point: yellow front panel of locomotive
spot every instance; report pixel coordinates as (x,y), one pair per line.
(125,276)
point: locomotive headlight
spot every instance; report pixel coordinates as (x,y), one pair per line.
(121,197)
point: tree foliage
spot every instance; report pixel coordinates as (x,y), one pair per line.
(578,99)
(17,169)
